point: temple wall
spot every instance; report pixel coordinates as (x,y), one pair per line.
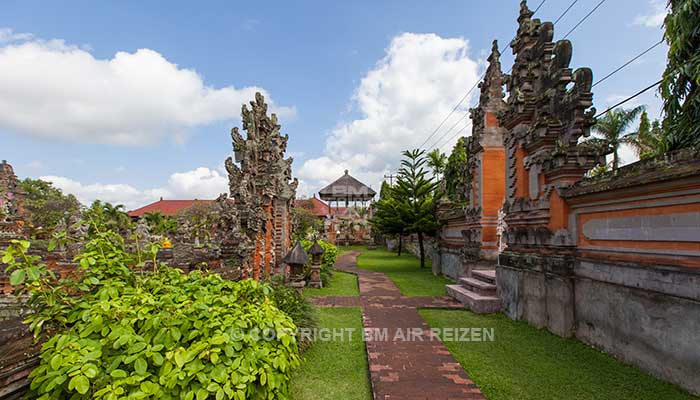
(630,283)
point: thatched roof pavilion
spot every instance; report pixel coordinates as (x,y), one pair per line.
(347,189)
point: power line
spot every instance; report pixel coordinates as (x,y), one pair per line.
(566,11)
(584,18)
(465,96)
(628,63)
(454,136)
(630,98)
(623,66)
(447,131)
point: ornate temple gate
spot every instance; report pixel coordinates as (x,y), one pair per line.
(613,261)
(263,192)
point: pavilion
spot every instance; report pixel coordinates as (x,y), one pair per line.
(346,189)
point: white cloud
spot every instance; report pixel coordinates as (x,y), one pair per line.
(8,35)
(655,17)
(54,90)
(200,183)
(401,101)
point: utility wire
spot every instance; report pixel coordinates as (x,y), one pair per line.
(630,98)
(449,130)
(565,12)
(464,97)
(581,21)
(509,71)
(584,18)
(455,135)
(620,68)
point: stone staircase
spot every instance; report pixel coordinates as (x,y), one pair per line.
(477,293)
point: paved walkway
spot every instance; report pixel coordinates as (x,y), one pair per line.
(403,369)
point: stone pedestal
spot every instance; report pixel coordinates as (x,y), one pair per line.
(315,281)
(298,285)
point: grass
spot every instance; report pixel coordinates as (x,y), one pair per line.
(405,272)
(528,363)
(346,249)
(342,284)
(334,369)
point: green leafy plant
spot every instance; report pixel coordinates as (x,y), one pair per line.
(456,175)
(291,302)
(330,254)
(114,333)
(46,206)
(159,224)
(680,86)
(305,223)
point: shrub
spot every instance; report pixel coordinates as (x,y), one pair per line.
(296,306)
(330,254)
(160,334)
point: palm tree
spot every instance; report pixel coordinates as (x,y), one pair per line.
(612,128)
(437,161)
(650,139)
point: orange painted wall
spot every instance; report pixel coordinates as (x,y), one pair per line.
(522,179)
(493,181)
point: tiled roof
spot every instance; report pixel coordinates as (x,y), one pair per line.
(347,188)
(318,207)
(167,207)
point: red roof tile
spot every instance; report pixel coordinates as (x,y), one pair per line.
(318,207)
(167,207)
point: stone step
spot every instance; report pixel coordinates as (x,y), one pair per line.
(486,275)
(478,286)
(473,301)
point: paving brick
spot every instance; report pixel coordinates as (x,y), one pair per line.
(401,368)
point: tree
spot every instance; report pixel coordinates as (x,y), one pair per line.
(680,86)
(456,176)
(437,161)
(46,205)
(612,128)
(197,222)
(650,140)
(159,224)
(415,193)
(388,218)
(107,217)
(305,223)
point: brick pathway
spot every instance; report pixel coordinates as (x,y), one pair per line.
(404,369)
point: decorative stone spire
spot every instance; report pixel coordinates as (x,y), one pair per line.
(262,186)
(549,109)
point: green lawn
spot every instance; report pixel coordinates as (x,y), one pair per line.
(342,284)
(346,249)
(405,271)
(334,369)
(527,363)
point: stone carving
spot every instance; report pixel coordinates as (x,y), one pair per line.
(484,151)
(11,211)
(262,189)
(550,107)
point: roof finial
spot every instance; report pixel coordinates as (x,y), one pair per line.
(525,11)
(346,172)
(495,52)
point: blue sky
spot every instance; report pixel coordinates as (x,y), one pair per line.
(130,101)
